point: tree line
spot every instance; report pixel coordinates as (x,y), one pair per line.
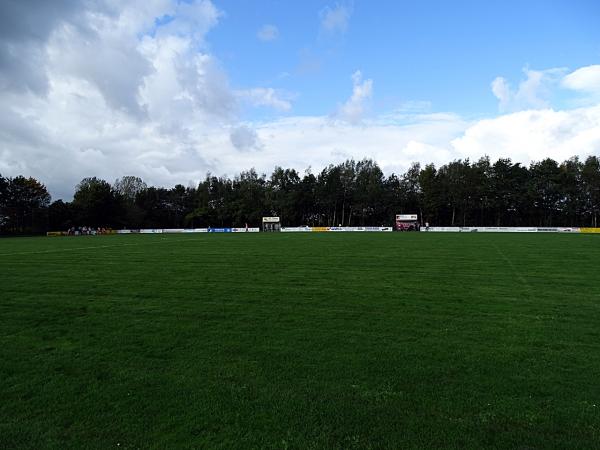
(353,193)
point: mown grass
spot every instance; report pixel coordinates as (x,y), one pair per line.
(300,341)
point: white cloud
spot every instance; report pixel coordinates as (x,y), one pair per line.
(317,141)
(585,79)
(191,19)
(70,54)
(269,97)
(503,93)
(244,138)
(353,110)
(119,95)
(83,136)
(533,135)
(532,92)
(123,96)
(268,33)
(335,19)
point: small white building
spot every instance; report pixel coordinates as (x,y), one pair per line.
(271,224)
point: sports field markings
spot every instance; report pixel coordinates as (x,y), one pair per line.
(513,268)
(91,247)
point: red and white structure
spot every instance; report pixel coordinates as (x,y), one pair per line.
(407,222)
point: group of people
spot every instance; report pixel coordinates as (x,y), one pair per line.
(87,231)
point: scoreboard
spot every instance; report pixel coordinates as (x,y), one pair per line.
(407,222)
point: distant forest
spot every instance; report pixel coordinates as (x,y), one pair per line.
(354,193)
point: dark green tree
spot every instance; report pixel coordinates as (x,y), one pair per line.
(60,216)
(97,204)
(431,195)
(590,177)
(25,205)
(544,191)
(571,199)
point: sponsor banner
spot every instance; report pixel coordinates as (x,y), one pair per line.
(245,230)
(219,230)
(270,219)
(410,217)
(352,229)
(334,229)
(590,230)
(360,229)
(559,230)
(56,233)
(502,229)
(77,233)
(295,229)
(188,230)
(378,228)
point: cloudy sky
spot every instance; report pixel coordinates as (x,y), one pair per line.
(170,89)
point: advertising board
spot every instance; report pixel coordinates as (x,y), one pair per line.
(270,219)
(407,217)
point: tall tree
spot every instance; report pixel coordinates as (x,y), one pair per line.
(328,194)
(128,188)
(349,193)
(26,200)
(247,203)
(369,192)
(571,198)
(590,176)
(431,194)
(545,190)
(154,204)
(283,195)
(307,200)
(455,179)
(97,204)
(348,187)
(3,190)
(509,192)
(479,179)
(60,216)
(410,192)
(3,203)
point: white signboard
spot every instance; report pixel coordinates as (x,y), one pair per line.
(504,229)
(245,230)
(406,217)
(296,229)
(270,219)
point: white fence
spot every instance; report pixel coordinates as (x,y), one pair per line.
(354,229)
(501,229)
(334,229)
(255,230)
(189,230)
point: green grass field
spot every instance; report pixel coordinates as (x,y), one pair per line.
(357,340)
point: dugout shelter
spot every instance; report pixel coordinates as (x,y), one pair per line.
(271,224)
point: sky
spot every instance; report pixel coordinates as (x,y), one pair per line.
(170,90)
